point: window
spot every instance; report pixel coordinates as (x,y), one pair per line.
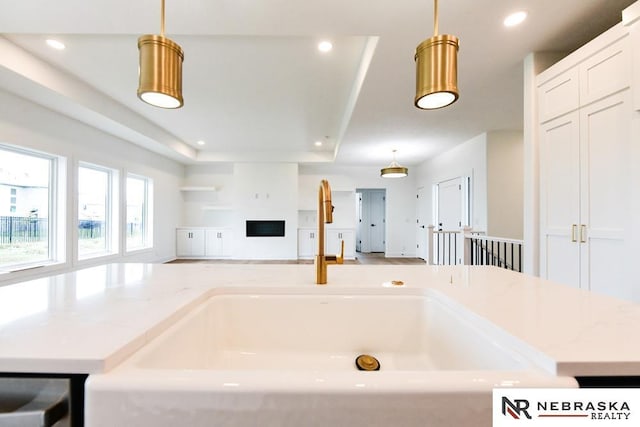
(139,200)
(27,220)
(96,215)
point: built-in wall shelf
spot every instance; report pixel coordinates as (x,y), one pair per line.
(195,188)
(217,208)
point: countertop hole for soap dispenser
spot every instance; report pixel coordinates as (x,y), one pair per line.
(365,362)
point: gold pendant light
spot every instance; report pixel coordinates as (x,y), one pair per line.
(394,170)
(160,69)
(436,69)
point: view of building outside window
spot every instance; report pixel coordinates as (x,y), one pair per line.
(93,211)
(25,187)
(137,220)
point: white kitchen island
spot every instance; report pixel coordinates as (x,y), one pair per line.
(92,320)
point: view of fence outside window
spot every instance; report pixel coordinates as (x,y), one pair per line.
(94,219)
(137,212)
(25,209)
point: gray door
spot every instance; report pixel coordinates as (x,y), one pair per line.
(377,220)
(421,224)
(371,223)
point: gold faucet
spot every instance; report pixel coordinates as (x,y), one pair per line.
(325,215)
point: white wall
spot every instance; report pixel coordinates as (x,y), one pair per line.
(293,196)
(400,230)
(28,125)
(505,184)
(493,160)
(467,159)
(208,209)
(266,191)
(342,198)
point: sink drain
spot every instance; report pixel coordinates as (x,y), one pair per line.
(364,362)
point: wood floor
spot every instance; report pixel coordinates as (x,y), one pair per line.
(361,258)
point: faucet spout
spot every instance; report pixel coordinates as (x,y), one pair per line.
(325,216)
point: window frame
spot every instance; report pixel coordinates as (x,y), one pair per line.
(147,214)
(56,240)
(111,220)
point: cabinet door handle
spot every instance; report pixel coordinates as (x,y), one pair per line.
(573,232)
(583,233)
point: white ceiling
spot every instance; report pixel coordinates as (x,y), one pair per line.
(257,89)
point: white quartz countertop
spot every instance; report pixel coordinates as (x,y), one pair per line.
(90,320)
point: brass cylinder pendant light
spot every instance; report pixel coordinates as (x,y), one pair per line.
(436,69)
(160,72)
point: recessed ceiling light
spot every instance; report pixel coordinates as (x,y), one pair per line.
(515,19)
(318,143)
(56,44)
(201,142)
(325,46)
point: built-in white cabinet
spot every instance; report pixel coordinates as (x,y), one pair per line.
(334,238)
(193,242)
(190,242)
(308,243)
(559,95)
(585,145)
(218,243)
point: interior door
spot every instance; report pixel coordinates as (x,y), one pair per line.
(450,212)
(359,227)
(421,224)
(377,220)
(450,205)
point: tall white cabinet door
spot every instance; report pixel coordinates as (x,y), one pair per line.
(605,189)
(560,199)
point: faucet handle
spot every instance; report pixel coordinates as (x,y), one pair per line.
(340,258)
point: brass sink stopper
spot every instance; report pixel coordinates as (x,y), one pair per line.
(364,362)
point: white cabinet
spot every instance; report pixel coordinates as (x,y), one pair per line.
(606,72)
(218,243)
(203,243)
(585,135)
(559,95)
(334,238)
(190,242)
(307,243)
(584,192)
(596,75)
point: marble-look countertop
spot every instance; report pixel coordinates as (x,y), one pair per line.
(90,320)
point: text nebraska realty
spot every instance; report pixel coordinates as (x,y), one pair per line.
(599,410)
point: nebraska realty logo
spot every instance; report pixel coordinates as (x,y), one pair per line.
(566,407)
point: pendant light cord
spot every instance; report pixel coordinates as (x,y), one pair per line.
(435,17)
(162,19)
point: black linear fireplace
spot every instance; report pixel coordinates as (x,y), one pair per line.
(265,228)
